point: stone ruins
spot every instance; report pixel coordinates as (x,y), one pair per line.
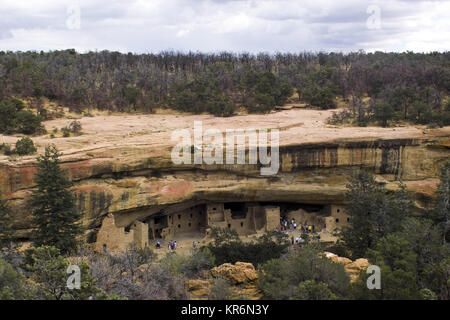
(245,218)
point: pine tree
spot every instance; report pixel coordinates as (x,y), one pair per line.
(373,212)
(441,214)
(49,273)
(5,224)
(54,211)
(363,195)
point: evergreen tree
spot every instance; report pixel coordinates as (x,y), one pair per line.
(363,195)
(54,212)
(13,285)
(397,262)
(383,112)
(373,212)
(312,290)
(433,257)
(304,274)
(441,214)
(5,224)
(49,272)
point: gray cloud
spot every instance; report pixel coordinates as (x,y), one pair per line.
(215,25)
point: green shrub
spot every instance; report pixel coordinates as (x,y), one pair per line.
(319,97)
(75,127)
(262,91)
(25,146)
(188,264)
(66,132)
(173,262)
(203,94)
(312,290)
(220,290)
(14,119)
(229,249)
(383,113)
(200,259)
(304,274)
(44,114)
(48,269)
(13,286)
(28,122)
(6,149)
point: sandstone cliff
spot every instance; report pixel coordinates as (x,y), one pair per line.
(130,174)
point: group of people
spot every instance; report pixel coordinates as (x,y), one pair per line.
(297,240)
(172,245)
(292,225)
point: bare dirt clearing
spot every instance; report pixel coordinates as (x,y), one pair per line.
(297,126)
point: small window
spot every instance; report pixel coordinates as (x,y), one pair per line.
(179,217)
(338,210)
(104,247)
(337,220)
(191,215)
(229,225)
(242,224)
(189,224)
(127,229)
(348,219)
(214,209)
(179,226)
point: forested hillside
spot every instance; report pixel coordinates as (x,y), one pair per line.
(378,87)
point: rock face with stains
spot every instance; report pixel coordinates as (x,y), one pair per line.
(132,177)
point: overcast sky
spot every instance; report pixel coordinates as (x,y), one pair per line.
(233,25)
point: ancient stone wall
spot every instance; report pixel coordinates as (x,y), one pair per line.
(140,234)
(188,221)
(337,218)
(303,217)
(112,238)
(272,215)
(156,225)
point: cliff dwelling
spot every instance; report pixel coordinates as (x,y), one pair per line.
(129,190)
(197,221)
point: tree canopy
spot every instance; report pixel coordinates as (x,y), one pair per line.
(380,87)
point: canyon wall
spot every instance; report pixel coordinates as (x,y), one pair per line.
(136,182)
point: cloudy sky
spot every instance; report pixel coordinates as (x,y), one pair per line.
(233,25)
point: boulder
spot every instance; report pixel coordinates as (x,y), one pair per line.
(239,273)
(242,277)
(353,268)
(198,288)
